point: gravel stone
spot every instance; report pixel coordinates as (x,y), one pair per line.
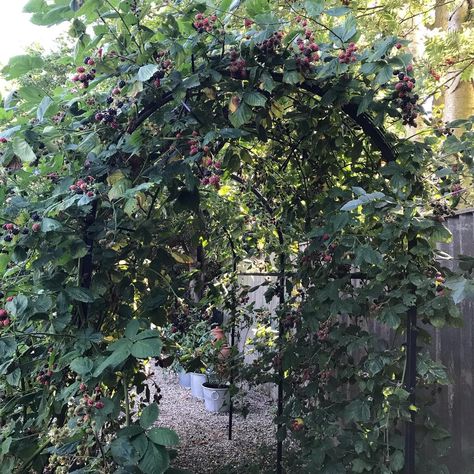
(205,447)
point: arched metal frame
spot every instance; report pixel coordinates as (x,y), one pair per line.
(378,137)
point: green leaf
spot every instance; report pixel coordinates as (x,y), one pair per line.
(155,461)
(114,359)
(43,107)
(48,225)
(82,365)
(23,150)
(359,465)
(151,347)
(397,461)
(241,116)
(88,143)
(345,32)
(80,294)
(124,452)
(13,378)
(149,416)
(21,65)
(461,288)
(147,72)
(163,436)
(119,189)
(358,411)
(314,8)
(255,99)
(365,102)
(384,75)
(132,329)
(292,77)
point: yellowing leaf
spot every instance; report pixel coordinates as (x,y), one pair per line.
(182,258)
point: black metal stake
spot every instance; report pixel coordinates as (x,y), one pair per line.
(232,331)
(410,385)
(280,427)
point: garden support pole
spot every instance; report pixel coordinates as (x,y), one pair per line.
(410,386)
(280,427)
(232,331)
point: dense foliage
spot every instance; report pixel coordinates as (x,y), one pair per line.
(188,138)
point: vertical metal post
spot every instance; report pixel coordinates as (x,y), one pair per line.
(410,383)
(280,426)
(410,386)
(232,331)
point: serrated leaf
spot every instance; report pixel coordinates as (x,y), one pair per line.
(365,102)
(292,77)
(147,72)
(384,75)
(163,436)
(49,225)
(155,461)
(80,294)
(43,107)
(255,99)
(145,348)
(149,415)
(82,365)
(241,116)
(23,150)
(114,359)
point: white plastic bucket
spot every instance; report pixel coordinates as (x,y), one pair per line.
(184,379)
(197,379)
(216,400)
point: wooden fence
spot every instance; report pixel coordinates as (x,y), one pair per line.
(453,347)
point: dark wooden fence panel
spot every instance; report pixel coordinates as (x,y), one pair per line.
(454,348)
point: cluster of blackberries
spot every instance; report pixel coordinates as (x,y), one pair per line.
(323,331)
(90,401)
(309,51)
(238,66)
(156,79)
(12,230)
(194,143)
(108,116)
(3,140)
(404,97)
(82,186)
(44,376)
(270,45)
(211,173)
(211,179)
(4,318)
(83,75)
(165,64)
(441,209)
(204,23)
(348,56)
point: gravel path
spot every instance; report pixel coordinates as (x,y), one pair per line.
(204,445)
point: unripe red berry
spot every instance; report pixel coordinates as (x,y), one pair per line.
(36,227)
(81,69)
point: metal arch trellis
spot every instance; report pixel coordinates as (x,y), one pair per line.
(378,137)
